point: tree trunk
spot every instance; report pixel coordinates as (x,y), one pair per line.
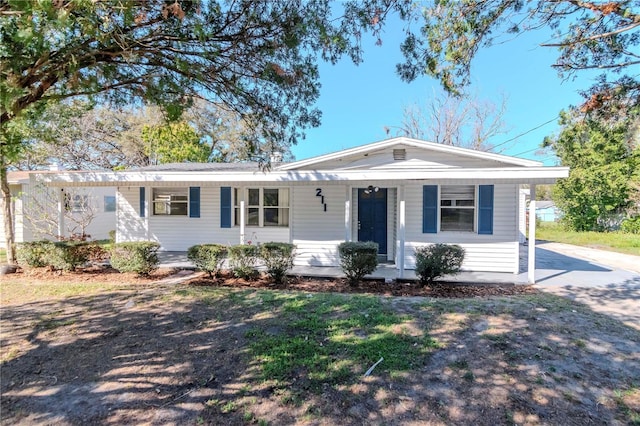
(7,214)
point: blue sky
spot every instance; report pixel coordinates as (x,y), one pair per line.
(359,101)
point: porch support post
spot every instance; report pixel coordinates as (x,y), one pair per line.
(401,231)
(531,268)
(242,222)
(61,213)
(347,214)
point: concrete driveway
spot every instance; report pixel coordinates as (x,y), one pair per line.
(607,282)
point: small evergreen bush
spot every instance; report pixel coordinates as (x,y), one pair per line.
(437,260)
(33,253)
(631,225)
(59,255)
(358,259)
(67,255)
(140,257)
(278,258)
(242,260)
(208,257)
(96,252)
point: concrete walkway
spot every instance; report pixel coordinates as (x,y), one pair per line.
(383,272)
(556,265)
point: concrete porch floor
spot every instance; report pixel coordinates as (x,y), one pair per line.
(383,272)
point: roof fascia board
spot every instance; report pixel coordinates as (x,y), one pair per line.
(138,178)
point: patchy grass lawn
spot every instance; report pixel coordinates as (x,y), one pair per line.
(156,353)
(614,241)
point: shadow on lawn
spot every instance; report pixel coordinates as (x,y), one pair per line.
(620,300)
(160,358)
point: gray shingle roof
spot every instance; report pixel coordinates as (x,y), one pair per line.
(202,167)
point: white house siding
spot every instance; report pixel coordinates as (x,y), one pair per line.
(315,232)
(258,235)
(21,230)
(24,230)
(130,226)
(522,215)
(178,233)
(415,157)
(497,252)
(103,222)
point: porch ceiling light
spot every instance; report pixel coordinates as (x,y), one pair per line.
(371,189)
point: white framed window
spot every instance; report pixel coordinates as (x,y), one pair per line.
(457,208)
(170,201)
(263,206)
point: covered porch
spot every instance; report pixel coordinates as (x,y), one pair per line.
(384,271)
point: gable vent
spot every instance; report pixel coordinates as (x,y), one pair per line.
(399,154)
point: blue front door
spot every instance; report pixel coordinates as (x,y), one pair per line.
(372,217)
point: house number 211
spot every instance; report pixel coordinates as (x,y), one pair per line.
(319,194)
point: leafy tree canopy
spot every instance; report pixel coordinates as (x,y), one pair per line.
(175,142)
(588,35)
(79,137)
(603,181)
(259,58)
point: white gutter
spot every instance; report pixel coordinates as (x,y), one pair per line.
(539,174)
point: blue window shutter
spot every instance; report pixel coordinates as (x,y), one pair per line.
(430,209)
(194,201)
(142,201)
(225,207)
(485,209)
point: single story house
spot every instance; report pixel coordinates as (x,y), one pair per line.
(45,213)
(401,193)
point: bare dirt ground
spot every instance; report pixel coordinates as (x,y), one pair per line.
(139,351)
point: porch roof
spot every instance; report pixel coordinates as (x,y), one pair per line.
(533,175)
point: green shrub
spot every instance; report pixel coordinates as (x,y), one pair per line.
(140,257)
(437,260)
(242,260)
(207,257)
(278,258)
(59,255)
(67,255)
(112,236)
(33,253)
(358,259)
(631,225)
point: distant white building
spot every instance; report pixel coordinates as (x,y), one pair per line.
(40,212)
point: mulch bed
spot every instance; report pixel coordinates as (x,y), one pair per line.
(308,284)
(95,273)
(336,285)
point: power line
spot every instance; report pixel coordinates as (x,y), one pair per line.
(528,131)
(526,152)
